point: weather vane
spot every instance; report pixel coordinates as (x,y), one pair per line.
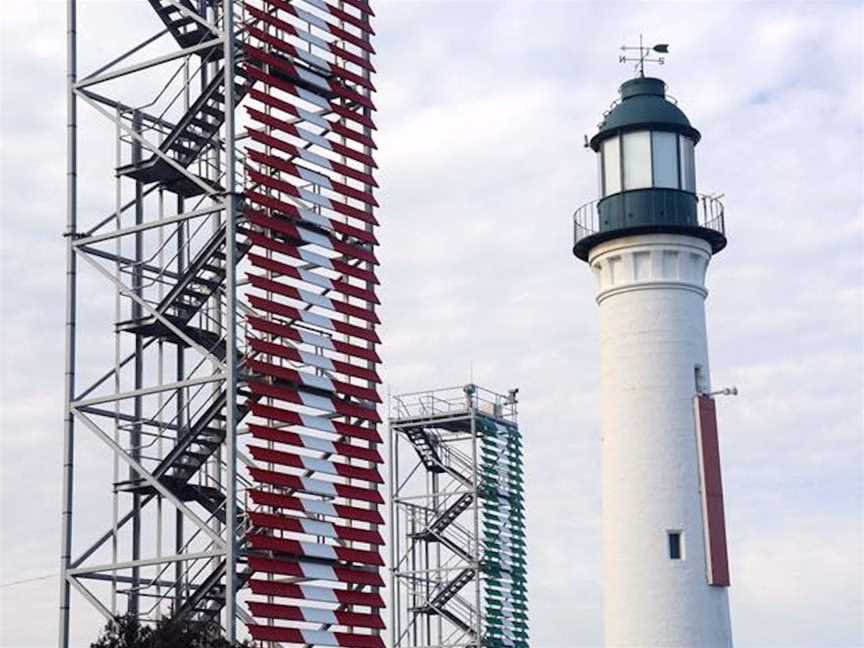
(644,54)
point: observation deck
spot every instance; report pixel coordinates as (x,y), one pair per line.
(653,211)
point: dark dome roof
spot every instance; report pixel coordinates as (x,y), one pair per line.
(644,105)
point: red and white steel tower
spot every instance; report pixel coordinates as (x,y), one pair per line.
(238,406)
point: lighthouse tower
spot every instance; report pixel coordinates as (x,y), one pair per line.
(648,241)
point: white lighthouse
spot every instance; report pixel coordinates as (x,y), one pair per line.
(648,241)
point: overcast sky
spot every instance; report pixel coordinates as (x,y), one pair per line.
(483,108)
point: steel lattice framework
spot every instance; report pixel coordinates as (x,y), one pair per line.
(457,525)
(240,410)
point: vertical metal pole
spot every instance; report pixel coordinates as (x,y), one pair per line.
(391,476)
(71,224)
(181,413)
(475,477)
(231,331)
(135,436)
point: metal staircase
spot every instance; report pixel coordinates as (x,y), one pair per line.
(188,139)
(200,281)
(445,519)
(426,449)
(448,592)
(186,30)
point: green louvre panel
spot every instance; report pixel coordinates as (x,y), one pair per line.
(516,630)
(499,605)
(513,592)
(507,625)
(504,565)
(507,563)
(504,632)
(502,516)
(491,467)
(504,536)
(512,549)
(518,610)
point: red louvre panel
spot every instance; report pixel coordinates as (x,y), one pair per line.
(294,418)
(307,175)
(312,299)
(307,196)
(351,19)
(316,615)
(310,593)
(299,525)
(340,34)
(314,401)
(314,550)
(346,640)
(315,486)
(362,6)
(285,66)
(321,465)
(309,381)
(291,353)
(333,48)
(293,151)
(311,138)
(326,263)
(291,190)
(316,443)
(319,280)
(288,209)
(287,48)
(325,144)
(294,568)
(313,320)
(311,506)
(301,235)
(712,492)
(290,333)
(293,90)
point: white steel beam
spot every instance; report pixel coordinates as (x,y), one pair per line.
(145,562)
(134,229)
(138,67)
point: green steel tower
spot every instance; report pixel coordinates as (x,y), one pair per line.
(458,553)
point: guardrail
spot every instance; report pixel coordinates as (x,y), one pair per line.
(710,215)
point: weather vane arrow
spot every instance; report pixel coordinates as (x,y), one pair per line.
(644,55)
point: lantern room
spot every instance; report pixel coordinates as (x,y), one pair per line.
(645,150)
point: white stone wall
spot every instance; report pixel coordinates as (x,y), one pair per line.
(651,292)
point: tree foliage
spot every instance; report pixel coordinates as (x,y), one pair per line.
(128,632)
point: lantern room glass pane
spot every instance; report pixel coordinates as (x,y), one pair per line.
(636,154)
(612,165)
(664,156)
(688,165)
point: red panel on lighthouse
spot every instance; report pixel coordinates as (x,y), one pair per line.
(712,492)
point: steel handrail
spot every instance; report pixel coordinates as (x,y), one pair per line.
(710,215)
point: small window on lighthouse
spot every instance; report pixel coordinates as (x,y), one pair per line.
(676,545)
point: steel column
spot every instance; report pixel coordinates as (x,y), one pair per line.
(71,287)
(231,329)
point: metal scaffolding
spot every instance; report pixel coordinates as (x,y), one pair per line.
(240,409)
(457,520)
